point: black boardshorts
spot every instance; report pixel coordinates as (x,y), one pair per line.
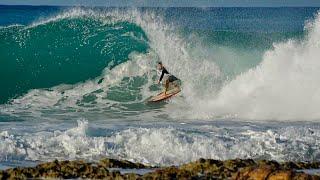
(172,78)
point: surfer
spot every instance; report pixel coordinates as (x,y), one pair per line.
(168,79)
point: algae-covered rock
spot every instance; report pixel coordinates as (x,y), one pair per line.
(269,172)
(291,165)
(167,173)
(301,165)
(202,166)
(270,164)
(282,174)
(4,175)
(15,173)
(303,176)
(234,165)
(201,169)
(113,163)
(131,176)
(258,173)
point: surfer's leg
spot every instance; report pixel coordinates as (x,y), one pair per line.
(166,86)
(176,85)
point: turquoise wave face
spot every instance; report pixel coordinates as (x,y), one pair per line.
(63,51)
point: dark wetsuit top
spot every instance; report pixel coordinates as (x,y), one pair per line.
(164,71)
(171,77)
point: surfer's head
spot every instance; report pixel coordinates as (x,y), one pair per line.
(159,65)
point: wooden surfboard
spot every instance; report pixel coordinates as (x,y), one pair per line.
(161,96)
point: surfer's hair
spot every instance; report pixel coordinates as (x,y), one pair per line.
(159,62)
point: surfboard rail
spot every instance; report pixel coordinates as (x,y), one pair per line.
(161,96)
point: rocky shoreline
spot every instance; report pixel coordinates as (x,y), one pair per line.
(200,169)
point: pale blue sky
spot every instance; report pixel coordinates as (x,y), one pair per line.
(166,3)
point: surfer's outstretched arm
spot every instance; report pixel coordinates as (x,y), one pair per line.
(161,77)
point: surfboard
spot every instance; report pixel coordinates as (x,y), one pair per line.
(161,96)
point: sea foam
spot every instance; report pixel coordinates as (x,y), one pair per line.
(164,145)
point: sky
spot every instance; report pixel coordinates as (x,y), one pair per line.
(168,3)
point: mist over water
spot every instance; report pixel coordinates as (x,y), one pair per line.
(283,86)
(76,82)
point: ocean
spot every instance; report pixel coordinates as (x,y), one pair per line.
(75,83)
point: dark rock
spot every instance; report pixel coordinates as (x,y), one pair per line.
(271,164)
(315,165)
(290,165)
(30,172)
(301,165)
(16,173)
(234,165)
(113,163)
(3,175)
(166,173)
(201,169)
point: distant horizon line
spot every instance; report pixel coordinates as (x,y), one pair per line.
(44,5)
